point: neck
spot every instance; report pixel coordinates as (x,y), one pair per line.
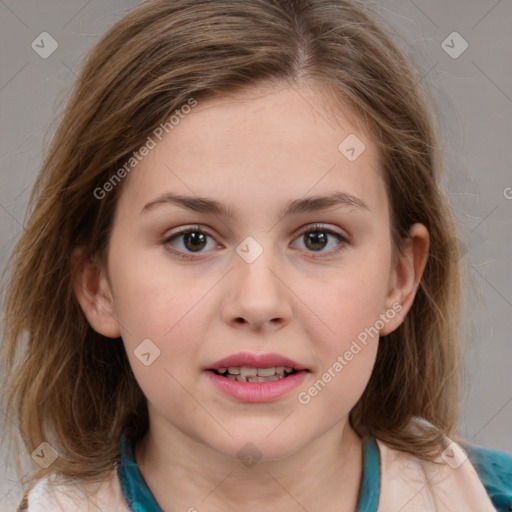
(185,474)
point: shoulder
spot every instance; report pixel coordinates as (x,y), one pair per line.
(451,482)
(494,469)
(57,494)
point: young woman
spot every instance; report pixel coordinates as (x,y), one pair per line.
(238,285)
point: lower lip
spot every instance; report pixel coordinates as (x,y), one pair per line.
(257,391)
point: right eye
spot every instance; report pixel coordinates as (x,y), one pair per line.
(192,240)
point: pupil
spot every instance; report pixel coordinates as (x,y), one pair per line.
(193,238)
(319,240)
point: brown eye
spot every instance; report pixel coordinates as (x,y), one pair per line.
(315,240)
(188,241)
(194,240)
(318,239)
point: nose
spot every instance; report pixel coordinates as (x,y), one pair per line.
(257,295)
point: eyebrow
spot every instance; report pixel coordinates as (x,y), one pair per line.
(293,207)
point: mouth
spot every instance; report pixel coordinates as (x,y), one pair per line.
(251,374)
(253,378)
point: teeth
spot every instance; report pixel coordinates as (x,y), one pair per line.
(251,374)
(254,378)
(264,379)
(247,371)
(266,372)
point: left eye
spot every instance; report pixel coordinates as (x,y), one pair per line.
(317,238)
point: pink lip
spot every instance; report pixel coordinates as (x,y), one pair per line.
(256,361)
(257,391)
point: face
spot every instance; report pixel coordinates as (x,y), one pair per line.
(306,289)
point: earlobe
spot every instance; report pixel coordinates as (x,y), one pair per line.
(93,293)
(406,275)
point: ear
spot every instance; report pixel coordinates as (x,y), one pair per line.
(406,275)
(93,292)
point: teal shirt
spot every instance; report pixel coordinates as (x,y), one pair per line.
(493,467)
(495,471)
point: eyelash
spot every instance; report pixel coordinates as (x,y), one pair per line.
(308,229)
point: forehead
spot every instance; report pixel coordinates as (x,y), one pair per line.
(261,148)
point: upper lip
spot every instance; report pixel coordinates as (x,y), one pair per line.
(256,361)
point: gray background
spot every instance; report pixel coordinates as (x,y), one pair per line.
(474,94)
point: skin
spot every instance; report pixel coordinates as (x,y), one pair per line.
(253,152)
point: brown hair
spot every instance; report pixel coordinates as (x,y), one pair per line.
(70,386)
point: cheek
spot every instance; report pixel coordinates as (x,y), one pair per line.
(347,302)
(171,311)
(155,301)
(343,319)
(168,312)
(346,344)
